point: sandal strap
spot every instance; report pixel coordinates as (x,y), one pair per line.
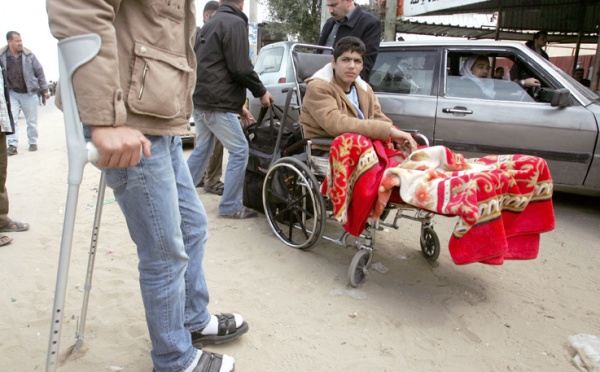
(209,362)
(226,323)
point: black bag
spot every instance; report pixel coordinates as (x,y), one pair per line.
(262,143)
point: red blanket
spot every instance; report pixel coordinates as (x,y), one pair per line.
(503,201)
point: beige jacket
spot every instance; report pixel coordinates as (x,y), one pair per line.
(143,75)
(327,111)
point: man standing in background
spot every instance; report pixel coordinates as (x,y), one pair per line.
(348,19)
(6,126)
(25,78)
(224,73)
(211,182)
(537,44)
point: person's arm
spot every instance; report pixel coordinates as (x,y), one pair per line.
(322,104)
(100,76)
(325,31)
(38,71)
(371,38)
(529,82)
(402,139)
(237,57)
(96,83)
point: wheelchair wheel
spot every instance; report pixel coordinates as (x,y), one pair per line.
(293,203)
(359,268)
(430,244)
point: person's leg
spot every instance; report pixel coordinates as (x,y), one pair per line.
(194,228)
(215,166)
(29,104)
(205,328)
(4,220)
(198,159)
(228,130)
(15,107)
(148,197)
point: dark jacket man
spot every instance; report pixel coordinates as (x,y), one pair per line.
(224,67)
(363,25)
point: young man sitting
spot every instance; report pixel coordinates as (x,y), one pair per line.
(339,104)
(338,101)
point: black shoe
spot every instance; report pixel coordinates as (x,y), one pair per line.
(32,147)
(241,214)
(216,189)
(227,331)
(12,150)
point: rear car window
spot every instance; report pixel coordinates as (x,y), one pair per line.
(407,72)
(269,60)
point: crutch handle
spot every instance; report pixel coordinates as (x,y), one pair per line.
(92,152)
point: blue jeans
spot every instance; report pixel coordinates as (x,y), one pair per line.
(226,127)
(29,104)
(168,224)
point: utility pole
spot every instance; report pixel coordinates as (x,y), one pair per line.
(391,8)
(253,29)
(253,16)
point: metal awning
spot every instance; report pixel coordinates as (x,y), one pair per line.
(416,26)
(561,16)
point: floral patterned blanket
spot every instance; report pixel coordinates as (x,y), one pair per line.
(503,202)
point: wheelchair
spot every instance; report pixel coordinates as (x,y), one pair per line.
(296,209)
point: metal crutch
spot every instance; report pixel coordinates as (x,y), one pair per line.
(73,52)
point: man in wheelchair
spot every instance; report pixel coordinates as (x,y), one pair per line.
(339,104)
(338,101)
(364,168)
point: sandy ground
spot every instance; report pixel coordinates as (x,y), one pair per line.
(303,315)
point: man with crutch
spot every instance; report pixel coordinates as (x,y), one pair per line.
(136,94)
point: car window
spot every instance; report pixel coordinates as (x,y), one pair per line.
(402,71)
(269,60)
(461,84)
(587,92)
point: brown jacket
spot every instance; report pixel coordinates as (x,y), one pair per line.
(327,112)
(143,76)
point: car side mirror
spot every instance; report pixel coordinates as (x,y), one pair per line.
(561,98)
(556,97)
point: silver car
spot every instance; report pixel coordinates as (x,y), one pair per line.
(419,87)
(273,63)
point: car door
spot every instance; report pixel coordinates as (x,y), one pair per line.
(516,124)
(406,81)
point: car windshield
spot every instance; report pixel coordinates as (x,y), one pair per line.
(269,60)
(589,94)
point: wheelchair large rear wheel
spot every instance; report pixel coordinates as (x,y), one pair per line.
(293,203)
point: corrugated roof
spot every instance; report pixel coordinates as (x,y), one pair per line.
(518,20)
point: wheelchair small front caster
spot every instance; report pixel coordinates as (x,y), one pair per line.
(430,244)
(359,268)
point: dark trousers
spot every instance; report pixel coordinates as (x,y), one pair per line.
(4,220)
(215,166)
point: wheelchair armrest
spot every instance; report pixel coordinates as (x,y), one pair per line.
(322,141)
(418,136)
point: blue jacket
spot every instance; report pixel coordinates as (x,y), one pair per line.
(363,25)
(33,73)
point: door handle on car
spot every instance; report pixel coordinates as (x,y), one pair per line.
(457,110)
